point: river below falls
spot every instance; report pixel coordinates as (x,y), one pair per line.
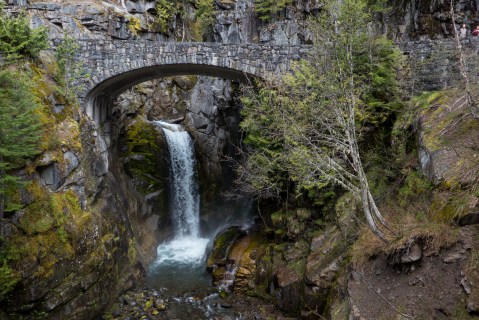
(177,287)
(180,266)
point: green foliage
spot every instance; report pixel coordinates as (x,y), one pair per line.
(19,133)
(264,171)
(17,39)
(131,251)
(304,129)
(69,71)
(205,16)
(134,25)
(166,11)
(269,9)
(380,67)
(8,279)
(190,28)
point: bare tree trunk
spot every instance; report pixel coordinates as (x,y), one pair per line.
(370,209)
(369,217)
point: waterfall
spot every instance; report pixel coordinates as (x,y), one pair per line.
(186,247)
(184,201)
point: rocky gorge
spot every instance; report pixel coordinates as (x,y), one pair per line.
(97,206)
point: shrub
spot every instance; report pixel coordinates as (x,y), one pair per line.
(17,39)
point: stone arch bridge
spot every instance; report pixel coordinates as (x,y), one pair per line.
(115,65)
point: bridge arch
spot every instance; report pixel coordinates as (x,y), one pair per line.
(98,101)
(115,65)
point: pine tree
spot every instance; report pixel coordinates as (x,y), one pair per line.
(19,133)
(305,127)
(17,39)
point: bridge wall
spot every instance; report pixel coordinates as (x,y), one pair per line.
(115,65)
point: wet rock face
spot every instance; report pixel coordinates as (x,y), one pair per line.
(94,20)
(213,120)
(237,22)
(75,248)
(299,276)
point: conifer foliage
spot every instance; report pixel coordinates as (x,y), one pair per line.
(19,134)
(17,39)
(307,127)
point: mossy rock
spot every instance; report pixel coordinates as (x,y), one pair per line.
(47,232)
(222,245)
(145,159)
(448,137)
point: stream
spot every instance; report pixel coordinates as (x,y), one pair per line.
(177,284)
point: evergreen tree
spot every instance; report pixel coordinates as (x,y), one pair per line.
(19,133)
(70,71)
(307,127)
(17,39)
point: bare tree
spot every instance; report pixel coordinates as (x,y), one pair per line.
(313,113)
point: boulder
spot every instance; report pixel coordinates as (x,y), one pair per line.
(447,145)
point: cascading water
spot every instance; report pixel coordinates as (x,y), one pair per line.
(180,261)
(184,204)
(179,275)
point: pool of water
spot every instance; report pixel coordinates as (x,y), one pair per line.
(180,267)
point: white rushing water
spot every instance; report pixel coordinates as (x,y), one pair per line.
(187,247)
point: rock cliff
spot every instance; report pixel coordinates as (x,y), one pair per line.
(97,207)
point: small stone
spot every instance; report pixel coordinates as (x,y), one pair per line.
(465,286)
(412,254)
(472,307)
(453,257)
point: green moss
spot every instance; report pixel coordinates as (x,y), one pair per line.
(428,99)
(131,251)
(445,126)
(59,128)
(303,213)
(49,211)
(415,185)
(50,224)
(143,151)
(277,218)
(141,136)
(8,279)
(447,207)
(260,291)
(222,244)
(298,266)
(134,25)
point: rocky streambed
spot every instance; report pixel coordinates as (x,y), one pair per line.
(153,304)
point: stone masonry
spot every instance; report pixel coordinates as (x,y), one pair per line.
(112,66)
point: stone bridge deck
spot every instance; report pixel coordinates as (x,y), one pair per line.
(115,65)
